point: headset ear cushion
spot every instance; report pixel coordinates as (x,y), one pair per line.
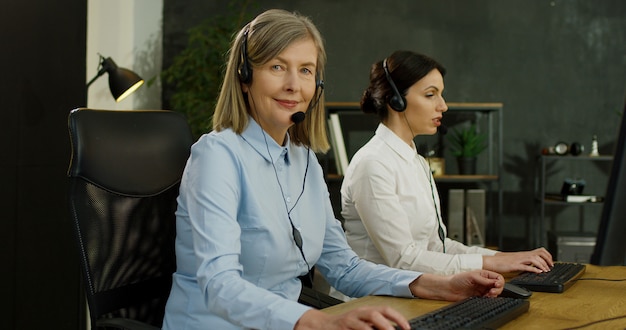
(245,74)
(397,102)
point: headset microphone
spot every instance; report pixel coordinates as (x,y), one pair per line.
(297,117)
(442,129)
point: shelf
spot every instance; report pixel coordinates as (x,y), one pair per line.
(481,107)
(452,106)
(466,178)
(542,196)
(334,177)
(579,157)
(441,178)
(549,201)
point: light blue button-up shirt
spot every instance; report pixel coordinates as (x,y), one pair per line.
(237,262)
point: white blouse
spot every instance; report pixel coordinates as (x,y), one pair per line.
(390,204)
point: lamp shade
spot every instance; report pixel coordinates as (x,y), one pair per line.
(122,82)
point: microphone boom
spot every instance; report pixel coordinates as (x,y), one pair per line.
(442,129)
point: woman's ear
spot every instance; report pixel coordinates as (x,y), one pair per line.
(244,88)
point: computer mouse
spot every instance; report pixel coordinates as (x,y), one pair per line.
(514,291)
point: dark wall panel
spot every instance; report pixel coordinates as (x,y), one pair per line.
(557,66)
(8,223)
(43,77)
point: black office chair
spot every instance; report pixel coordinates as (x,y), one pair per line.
(124,174)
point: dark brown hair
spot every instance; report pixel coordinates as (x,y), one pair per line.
(405,68)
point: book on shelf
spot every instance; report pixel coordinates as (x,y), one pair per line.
(337,143)
(575,198)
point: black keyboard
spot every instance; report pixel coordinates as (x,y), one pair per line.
(560,278)
(472,313)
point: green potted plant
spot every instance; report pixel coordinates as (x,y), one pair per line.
(466,144)
(194,78)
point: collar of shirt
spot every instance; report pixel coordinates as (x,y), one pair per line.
(263,144)
(396,143)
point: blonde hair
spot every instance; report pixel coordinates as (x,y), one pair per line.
(267,36)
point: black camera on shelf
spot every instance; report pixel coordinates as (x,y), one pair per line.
(573,187)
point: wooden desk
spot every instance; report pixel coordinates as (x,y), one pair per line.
(584,302)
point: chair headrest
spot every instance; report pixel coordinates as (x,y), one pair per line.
(134,153)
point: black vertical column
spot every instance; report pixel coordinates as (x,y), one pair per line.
(43,77)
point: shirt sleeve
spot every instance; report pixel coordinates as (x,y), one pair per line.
(455,247)
(388,225)
(356,277)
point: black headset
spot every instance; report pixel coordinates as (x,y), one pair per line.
(397,102)
(245,71)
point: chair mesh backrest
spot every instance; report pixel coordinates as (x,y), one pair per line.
(124,177)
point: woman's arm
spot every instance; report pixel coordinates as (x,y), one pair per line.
(459,286)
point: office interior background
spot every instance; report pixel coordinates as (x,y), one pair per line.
(559,68)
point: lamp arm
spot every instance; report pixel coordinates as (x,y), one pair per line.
(101,70)
(100,73)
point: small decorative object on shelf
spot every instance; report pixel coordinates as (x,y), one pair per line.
(437,165)
(573,186)
(575,198)
(576,149)
(561,148)
(594,147)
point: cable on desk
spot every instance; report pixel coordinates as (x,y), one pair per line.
(596,322)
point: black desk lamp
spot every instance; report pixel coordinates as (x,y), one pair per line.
(122,82)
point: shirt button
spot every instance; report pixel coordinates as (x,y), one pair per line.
(288,199)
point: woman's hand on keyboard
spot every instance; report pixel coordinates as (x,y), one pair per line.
(366,318)
(536,261)
(459,286)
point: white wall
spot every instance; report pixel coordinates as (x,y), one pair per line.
(130,32)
